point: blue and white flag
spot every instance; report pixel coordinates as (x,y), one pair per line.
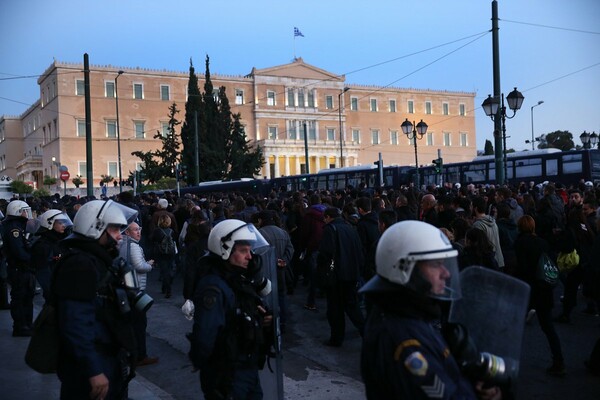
(297,32)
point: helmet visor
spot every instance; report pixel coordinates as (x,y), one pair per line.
(111,208)
(437,278)
(248,233)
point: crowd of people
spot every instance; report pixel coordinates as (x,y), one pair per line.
(330,243)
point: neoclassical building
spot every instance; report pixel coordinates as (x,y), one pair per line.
(278,105)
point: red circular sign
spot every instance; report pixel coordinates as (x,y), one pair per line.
(65,175)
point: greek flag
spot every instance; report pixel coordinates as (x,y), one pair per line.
(297,32)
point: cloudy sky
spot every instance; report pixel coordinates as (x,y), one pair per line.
(549,49)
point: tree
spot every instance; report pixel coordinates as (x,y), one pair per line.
(562,140)
(49,180)
(224,151)
(488,149)
(160,163)
(20,187)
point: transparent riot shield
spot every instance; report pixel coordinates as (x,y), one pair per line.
(271,376)
(493,309)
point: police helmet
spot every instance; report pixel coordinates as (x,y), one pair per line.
(47,219)
(95,216)
(401,247)
(227,233)
(16,207)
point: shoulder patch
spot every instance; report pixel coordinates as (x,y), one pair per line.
(416,364)
(209,297)
(15,233)
(403,346)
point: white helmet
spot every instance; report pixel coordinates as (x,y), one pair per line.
(401,247)
(47,219)
(95,216)
(226,233)
(16,207)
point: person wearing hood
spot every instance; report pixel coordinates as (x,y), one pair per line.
(504,195)
(96,355)
(368,232)
(54,225)
(488,225)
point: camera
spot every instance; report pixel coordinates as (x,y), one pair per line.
(128,294)
(491,368)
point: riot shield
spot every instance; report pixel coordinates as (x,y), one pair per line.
(493,308)
(271,376)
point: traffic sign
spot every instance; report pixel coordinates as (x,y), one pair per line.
(64,176)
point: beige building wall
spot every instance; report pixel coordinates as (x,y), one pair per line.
(275,104)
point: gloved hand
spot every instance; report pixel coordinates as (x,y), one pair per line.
(188,309)
(461,345)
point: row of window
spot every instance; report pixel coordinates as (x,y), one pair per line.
(296,97)
(137,94)
(295,131)
(139,129)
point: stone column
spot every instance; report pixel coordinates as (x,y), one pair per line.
(276,172)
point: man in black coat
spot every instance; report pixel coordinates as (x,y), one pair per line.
(368,231)
(341,243)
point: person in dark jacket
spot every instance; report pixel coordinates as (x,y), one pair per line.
(46,251)
(97,347)
(478,251)
(341,243)
(20,272)
(528,248)
(404,355)
(165,261)
(403,211)
(507,233)
(230,323)
(368,231)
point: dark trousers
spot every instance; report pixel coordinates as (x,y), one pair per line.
(574,279)
(342,299)
(545,319)
(311,268)
(22,291)
(140,323)
(166,265)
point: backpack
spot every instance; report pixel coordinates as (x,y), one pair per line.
(166,244)
(547,271)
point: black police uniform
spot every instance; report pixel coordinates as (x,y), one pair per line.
(95,337)
(45,253)
(404,355)
(227,340)
(20,274)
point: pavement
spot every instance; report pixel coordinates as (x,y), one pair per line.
(311,370)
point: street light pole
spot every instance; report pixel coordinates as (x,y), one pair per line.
(118,133)
(493,109)
(532,136)
(341,131)
(413,134)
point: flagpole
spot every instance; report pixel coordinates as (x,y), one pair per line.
(294,47)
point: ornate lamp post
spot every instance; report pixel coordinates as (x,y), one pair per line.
(495,109)
(589,140)
(413,134)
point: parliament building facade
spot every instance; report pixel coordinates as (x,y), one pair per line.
(277,105)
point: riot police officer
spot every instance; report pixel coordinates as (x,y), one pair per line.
(20,272)
(228,337)
(404,354)
(45,252)
(97,343)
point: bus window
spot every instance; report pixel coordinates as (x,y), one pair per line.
(529,167)
(552,167)
(571,164)
(475,172)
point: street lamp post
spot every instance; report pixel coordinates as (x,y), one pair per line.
(589,140)
(54,162)
(494,109)
(119,73)
(532,136)
(413,134)
(341,131)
